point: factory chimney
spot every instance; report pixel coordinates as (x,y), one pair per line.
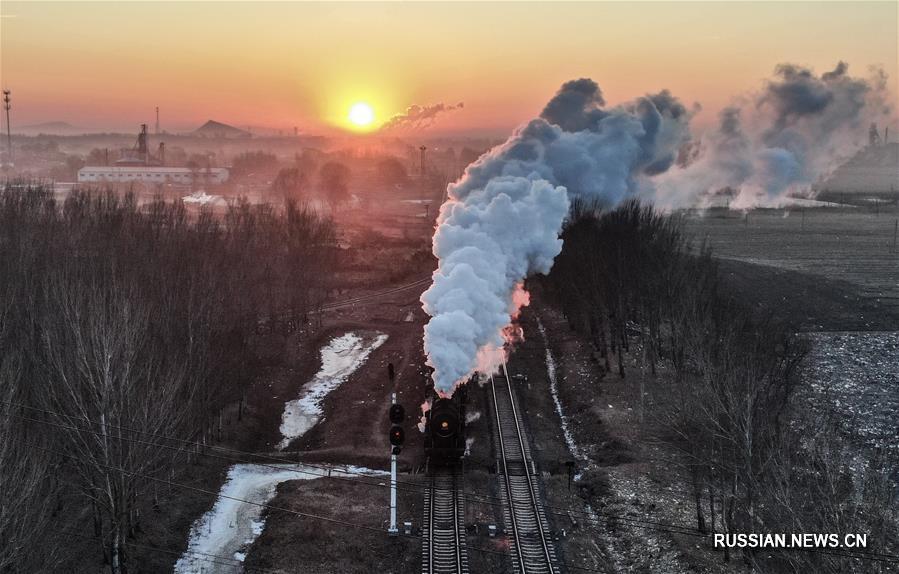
(422,149)
(143,150)
(157,120)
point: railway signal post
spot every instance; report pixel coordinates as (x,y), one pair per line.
(397,436)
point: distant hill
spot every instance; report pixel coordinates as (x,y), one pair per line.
(214,129)
(50,128)
(874,171)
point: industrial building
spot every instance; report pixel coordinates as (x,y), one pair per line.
(152,174)
(138,164)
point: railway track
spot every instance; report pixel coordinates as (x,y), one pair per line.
(443,527)
(530,544)
(366,298)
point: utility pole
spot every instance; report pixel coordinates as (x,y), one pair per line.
(6,107)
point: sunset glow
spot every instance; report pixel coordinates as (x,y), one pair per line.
(293,75)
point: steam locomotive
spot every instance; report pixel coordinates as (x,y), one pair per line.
(445,429)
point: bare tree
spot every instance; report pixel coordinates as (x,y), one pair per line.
(290,183)
(123,324)
(28,486)
(334,180)
(750,458)
(110,390)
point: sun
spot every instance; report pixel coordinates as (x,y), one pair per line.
(361,114)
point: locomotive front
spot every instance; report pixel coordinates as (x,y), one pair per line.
(445,430)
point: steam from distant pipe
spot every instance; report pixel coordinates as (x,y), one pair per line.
(418,117)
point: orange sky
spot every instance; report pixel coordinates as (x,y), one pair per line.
(280,64)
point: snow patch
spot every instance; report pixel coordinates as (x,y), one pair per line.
(236,520)
(857,374)
(203,198)
(340,359)
(575,449)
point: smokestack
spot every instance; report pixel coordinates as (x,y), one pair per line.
(143,149)
(157,120)
(422,149)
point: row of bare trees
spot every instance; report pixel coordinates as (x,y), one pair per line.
(726,396)
(122,324)
(295,181)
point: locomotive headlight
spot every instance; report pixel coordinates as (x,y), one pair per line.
(444,425)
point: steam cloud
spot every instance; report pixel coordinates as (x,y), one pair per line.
(781,141)
(503,218)
(417,117)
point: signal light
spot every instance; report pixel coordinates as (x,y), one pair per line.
(397,435)
(397,413)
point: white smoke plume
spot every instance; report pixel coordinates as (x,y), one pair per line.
(502,220)
(782,140)
(418,117)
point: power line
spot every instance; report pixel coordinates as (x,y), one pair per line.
(206,556)
(362,298)
(638,523)
(210,492)
(862,556)
(414,487)
(263,505)
(483,499)
(660,527)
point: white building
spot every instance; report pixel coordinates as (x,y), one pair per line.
(150,174)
